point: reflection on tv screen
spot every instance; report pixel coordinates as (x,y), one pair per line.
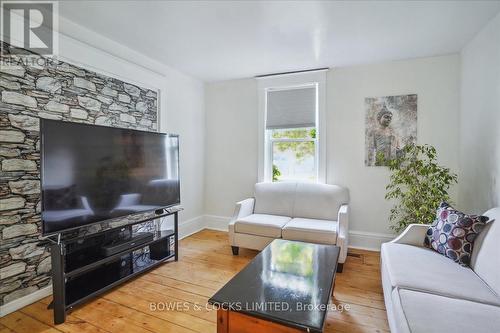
(93,173)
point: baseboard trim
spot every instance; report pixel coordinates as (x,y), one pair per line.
(215,222)
(192,226)
(25,300)
(371,241)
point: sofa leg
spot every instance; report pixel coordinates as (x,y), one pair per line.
(235,250)
(340,268)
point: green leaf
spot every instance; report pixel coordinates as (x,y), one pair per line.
(418,184)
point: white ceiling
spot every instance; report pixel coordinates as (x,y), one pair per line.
(219,40)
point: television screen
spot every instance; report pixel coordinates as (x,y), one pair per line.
(93,173)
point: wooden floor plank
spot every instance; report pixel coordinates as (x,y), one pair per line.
(149,322)
(178,294)
(205,265)
(149,295)
(4,329)
(21,323)
(94,314)
(177,284)
(176,317)
(40,312)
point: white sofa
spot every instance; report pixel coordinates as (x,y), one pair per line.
(308,212)
(427,292)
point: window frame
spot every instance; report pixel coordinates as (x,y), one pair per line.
(286,82)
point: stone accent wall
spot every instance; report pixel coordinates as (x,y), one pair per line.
(55,90)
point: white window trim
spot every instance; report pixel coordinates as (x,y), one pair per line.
(282,82)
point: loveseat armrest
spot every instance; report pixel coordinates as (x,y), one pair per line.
(243,208)
(343,232)
(414,234)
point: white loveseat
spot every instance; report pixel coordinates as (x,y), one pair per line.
(427,292)
(308,212)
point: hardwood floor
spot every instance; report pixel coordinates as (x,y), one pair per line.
(205,265)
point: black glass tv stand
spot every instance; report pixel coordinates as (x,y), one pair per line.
(81,270)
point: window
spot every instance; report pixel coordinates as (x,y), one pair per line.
(294,154)
(291,131)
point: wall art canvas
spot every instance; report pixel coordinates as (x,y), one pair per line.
(390,124)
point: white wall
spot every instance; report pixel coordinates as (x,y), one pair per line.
(231,144)
(480,121)
(186,117)
(182,109)
(436,82)
(231,150)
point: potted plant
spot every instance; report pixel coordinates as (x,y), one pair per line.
(418,185)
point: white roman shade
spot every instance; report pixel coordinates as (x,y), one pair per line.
(291,108)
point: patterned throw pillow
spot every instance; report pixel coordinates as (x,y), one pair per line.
(453,233)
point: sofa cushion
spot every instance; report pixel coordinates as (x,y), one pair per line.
(274,198)
(428,313)
(261,225)
(452,233)
(420,268)
(486,253)
(311,230)
(319,201)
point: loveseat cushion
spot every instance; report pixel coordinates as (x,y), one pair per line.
(419,312)
(423,269)
(261,225)
(311,230)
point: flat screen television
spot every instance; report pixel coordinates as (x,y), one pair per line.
(91,173)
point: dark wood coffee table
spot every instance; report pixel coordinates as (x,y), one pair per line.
(285,288)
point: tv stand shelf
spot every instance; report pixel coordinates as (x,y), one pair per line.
(95,261)
(81,271)
(86,287)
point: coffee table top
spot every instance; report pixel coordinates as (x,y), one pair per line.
(288,282)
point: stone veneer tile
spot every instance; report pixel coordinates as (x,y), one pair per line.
(24,122)
(25,187)
(11,203)
(17,164)
(11,97)
(18,230)
(83,83)
(12,136)
(79,114)
(89,103)
(11,270)
(56,107)
(48,84)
